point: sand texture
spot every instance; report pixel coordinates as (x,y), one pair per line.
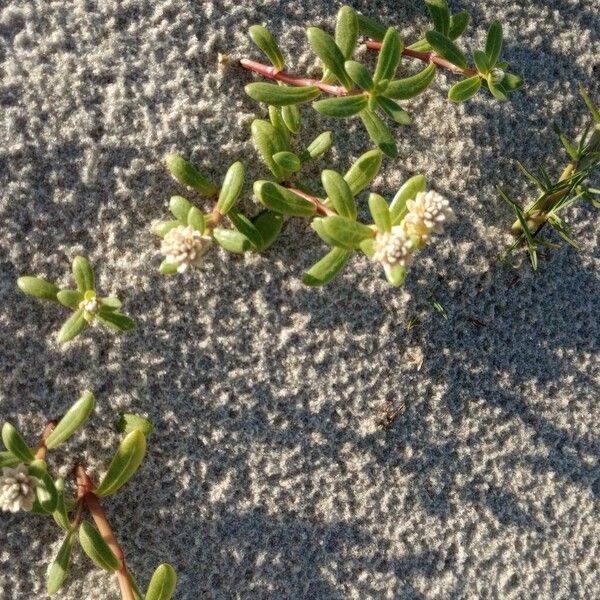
(267,475)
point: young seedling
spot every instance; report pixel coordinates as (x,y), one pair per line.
(557,195)
(398,230)
(373,95)
(27,485)
(86,305)
(187,237)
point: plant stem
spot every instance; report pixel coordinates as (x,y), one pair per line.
(427,57)
(272,73)
(321,208)
(40,452)
(85,489)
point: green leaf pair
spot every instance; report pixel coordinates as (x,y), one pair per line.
(83,301)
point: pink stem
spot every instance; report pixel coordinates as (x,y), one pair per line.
(273,73)
(321,208)
(427,57)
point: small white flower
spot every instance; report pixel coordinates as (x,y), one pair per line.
(184,246)
(393,248)
(427,214)
(17,489)
(496,75)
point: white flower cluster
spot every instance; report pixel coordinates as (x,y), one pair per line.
(427,214)
(90,304)
(17,489)
(497,75)
(184,246)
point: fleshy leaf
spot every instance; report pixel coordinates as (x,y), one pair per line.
(380,211)
(403,89)
(363,171)
(440,15)
(180,207)
(393,110)
(232,240)
(269,225)
(408,191)
(231,188)
(278,95)
(97,549)
(493,44)
(465,89)
(359,74)
(396,275)
(69,298)
(446,48)
(60,567)
(389,56)
(346,106)
(246,228)
(129,422)
(370,28)
(291,117)
(379,133)
(346,31)
(339,193)
(83,274)
(72,327)
(482,62)
(263,38)
(38,287)
(327,268)
(15,444)
(116,320)
(318,146)
(163,227)
(195,219)
(331,56)
(72,420)
(458,23)
(268,143)
(341,231)
(282,200)
(186,174)
(163,583)
(288,161)
(167,268)
(125,463)
(45,490)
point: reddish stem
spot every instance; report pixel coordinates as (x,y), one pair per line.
(85,490)
(321,208)
(272,73)
(427,57)
(41,449)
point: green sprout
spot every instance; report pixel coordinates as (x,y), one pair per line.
(371,96)
(26,484)
(86,305)
(557,195)
(187,237)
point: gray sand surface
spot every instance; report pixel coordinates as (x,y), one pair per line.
(267,476)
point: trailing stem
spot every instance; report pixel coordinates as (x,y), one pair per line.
(321,208)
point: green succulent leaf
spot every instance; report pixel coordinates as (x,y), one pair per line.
(318,146)
(83,274)
(393,110)
(116,320)
(408,191)
(232,240)
(8,459)
(379,133)
(167,268)
(283,201)
(346,30)
(280,128)
(341,231)
(458,24)
(125,463)
(288,161)
(512,82)
(367,247)
(493,44)
(129,422)
(72,327)
(281,95)
(69,298)
(446,48)
(345,106)
(389,56)
(163,583)
(180,207)
(380,211)
(263,38)
(195,219)
(465,89)
(482,62)
(186,174)
(291,117)
(331,56)
(327,268)
(497,90)
(38,288)
(72,420)
(246,228)
(45,490)
(15,444)
(161,228)
(363,171)
(231,188)
(359,74)
(268,143)
(60,567)
(396,275)
(440,15)
(60,512)
(339,193)
(269,225)
(370,28)
(97,549)
(403,89)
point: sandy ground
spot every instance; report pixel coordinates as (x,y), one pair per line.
(267,476)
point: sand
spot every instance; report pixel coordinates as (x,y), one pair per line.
(267,475)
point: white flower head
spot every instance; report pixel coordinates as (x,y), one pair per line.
(17,489)
(427,214)
(497,75)
(393,248)
(184,246)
